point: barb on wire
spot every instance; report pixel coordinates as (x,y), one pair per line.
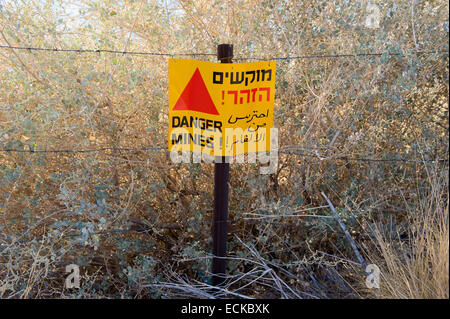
(312,56)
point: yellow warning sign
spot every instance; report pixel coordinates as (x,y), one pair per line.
(221,109)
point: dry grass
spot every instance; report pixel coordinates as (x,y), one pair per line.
(417,267)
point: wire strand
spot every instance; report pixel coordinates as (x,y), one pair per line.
(312,56)
(158,148)
(104,51)
(334,56)
(94,150)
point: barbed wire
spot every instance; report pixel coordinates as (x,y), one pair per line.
(281,151)
(312,56)
(290,152)
(333,56)
(103,51)
(357,159)
(94,150)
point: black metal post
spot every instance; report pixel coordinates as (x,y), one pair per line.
(220,217)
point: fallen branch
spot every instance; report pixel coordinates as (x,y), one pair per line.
(347,234)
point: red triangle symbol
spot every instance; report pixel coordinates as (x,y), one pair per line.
(195,97)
